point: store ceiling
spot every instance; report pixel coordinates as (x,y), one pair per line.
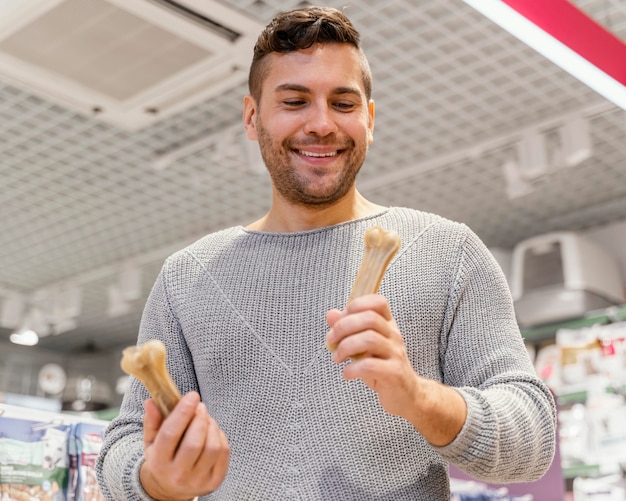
(90,207)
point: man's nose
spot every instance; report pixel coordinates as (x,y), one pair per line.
(320,121)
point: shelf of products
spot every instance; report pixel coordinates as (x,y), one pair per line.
(583,361)
(48,455)
(546,332)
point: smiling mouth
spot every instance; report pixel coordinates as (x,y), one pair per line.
(318,155)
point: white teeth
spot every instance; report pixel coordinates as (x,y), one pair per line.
(319,155)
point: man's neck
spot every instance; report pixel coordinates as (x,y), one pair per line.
(287,218)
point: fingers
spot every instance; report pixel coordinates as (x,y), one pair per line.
(187,454)
(151,422)
(204,448)
(366,368)
(332,316)
(192,443)
(374,302)
(172,429)
(215,456)
(365,328)
(364,344)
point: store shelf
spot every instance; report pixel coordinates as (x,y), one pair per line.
(568,396)
(545,332)
(591,470)
(108,414)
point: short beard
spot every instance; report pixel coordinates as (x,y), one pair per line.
(291,186)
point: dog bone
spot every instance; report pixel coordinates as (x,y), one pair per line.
(147,363)
(380,246)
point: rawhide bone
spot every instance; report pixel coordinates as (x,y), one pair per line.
(380,246)
(147,363)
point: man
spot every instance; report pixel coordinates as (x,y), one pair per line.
(245,313)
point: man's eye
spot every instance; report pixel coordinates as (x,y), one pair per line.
(342,105)
(293,102)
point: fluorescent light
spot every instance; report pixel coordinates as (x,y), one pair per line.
(551,48)
(576,142)
(25,337)
(532,156)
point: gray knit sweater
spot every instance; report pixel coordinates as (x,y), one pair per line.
(242,314)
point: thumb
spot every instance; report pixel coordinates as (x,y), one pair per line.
(332,316)
(151,421)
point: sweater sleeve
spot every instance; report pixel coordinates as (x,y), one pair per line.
(510,431)
(121,456)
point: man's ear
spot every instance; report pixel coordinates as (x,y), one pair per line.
(249,117)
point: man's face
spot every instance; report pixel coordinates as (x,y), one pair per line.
(313,123)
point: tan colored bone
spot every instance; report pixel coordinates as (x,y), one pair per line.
(380,246)
(147,363)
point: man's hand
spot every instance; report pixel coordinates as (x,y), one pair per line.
(186,455)
(367,335)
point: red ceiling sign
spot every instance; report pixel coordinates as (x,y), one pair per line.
(575,29)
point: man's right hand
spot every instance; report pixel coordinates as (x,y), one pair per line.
(185,455)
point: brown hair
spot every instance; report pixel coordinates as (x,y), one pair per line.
(299,29)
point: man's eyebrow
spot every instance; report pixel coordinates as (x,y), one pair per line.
(347,90)
(292,86)
(306,90)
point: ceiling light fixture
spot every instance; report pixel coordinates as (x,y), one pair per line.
(24,337)
(576,141)
(568,37)
(532,156)
(229,141)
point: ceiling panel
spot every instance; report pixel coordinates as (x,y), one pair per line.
(81,200)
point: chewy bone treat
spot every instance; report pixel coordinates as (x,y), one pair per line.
(147,363)
(380,246)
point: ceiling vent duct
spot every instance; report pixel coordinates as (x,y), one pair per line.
(129,62)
